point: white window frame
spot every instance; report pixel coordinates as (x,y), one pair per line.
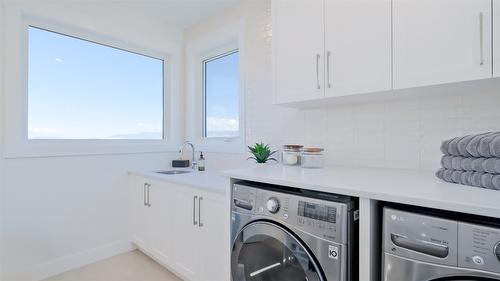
(16,141)
(209,46)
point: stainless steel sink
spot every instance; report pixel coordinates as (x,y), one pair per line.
(173,172)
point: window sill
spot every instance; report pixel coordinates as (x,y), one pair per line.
(229,148)
(59,148)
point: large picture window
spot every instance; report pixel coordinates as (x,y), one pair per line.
(78,89)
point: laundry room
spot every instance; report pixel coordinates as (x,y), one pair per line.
(249,140)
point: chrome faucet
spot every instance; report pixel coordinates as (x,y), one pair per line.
(181,151)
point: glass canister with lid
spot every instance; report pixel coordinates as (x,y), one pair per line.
(291,154)
(312,157)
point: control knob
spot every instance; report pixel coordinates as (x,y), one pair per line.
(497,251)
(273,205)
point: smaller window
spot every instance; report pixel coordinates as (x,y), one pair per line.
(221,96)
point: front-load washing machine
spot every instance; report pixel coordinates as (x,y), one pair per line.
(430,247)
(289,234)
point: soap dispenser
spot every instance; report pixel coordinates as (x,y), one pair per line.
(201,162)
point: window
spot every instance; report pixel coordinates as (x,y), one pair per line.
(221,91)
(79,89)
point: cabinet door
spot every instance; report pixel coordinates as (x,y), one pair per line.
(358,46)
(298,32)
(140,213)
(161,225)
(185,232)
(441,41)
(215,237)
(496,38)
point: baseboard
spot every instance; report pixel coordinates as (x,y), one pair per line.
(63,264)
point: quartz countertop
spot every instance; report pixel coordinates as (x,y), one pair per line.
(392,185)
(209,180)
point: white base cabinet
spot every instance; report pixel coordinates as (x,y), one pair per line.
(184,228)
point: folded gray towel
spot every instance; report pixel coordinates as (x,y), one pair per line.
(476,179)
(487,181)
(444,146)
(447,161)
(473,145)
(465,178)
(462,146)
(467,164)
(496,182)
(453,146)
(495,146)
(447,175)
(477,164)
(478,145)
(456,163)
(491,165)
(484,145)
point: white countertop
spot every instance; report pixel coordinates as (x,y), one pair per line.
(400,186)
(208,180)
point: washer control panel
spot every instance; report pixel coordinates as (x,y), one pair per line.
(479,247)
(323,218)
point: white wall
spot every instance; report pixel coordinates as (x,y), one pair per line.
(398,133)
(58,213)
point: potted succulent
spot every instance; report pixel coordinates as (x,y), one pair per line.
(261,153)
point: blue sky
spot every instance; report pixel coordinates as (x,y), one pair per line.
(222,96)
(82,90)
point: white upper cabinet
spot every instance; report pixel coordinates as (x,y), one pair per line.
(358,46)
(298,31)
(441,41)
(496,38)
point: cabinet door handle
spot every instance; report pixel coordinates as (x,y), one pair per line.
(199,211)
(194,210)
(481,38)
(318,57)
(145,194)
(149,194)
(328,54)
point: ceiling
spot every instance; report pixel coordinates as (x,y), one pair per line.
(182,13)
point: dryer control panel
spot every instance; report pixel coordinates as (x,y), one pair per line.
(437,240)
(479,247)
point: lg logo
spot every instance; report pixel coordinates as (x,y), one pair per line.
(333,252)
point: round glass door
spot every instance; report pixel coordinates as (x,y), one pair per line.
(264,251)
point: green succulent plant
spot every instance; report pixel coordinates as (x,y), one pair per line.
(261,153)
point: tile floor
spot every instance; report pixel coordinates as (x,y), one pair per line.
(132,266)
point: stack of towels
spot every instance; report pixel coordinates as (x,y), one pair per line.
(472,160)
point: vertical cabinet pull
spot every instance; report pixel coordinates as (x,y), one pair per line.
(145,194)
(194,210)
(199,211)
(149,194)
(328,54)
(318,57)
(481,38)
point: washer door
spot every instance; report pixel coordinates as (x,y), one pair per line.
(264,251)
